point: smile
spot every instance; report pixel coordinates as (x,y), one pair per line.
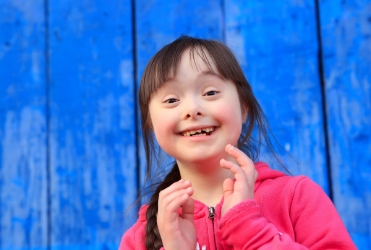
(199,132)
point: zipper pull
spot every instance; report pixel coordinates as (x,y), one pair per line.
(211,212)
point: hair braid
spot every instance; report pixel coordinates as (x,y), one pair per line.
(153,238)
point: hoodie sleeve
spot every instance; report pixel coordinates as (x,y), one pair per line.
(315,221)
(243,227)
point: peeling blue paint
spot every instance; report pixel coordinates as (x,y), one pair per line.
(68,173)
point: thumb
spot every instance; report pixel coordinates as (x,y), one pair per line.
(188,210)
(228,186)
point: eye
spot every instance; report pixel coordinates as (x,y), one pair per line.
(171,100)
(212,92)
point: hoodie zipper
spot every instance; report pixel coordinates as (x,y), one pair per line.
(211,216)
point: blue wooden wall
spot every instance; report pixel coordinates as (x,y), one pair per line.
(71,159)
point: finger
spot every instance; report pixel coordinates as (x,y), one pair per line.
(256,174)
(176,186)
(245,162)
(251,173)
(228,186)
(169,213)
(241,158)
(238,172)
(176,189)
(176,203)
(188,210)
(172,198)
(172,201)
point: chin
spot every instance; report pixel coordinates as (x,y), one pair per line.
(202,158)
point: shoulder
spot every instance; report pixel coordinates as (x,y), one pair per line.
(295,195)
(142,213)
(133,238)
(141,220)
(276,185)
(275,179)
(308,194)
(139,225)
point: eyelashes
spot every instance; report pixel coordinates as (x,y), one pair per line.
(171,100)
(211,93)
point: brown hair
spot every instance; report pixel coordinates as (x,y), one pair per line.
(161,67)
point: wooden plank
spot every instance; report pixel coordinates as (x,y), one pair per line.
(346,36)
(23,169)
(277,46)
(160,22)
(92,140)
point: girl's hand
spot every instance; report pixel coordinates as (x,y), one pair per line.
(177,232)
(245,175)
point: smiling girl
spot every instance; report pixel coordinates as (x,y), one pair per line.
(197,103)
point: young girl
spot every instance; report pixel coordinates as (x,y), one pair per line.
(196,101)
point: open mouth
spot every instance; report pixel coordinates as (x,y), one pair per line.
(199,132)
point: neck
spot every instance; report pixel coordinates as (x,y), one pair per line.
(207,180)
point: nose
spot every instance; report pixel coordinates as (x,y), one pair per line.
(193,109)
(193,114)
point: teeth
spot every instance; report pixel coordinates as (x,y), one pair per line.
(199,131)
(207,130)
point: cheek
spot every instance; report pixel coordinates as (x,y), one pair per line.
(163,126)
(163,129)
(160,132)
(231,113)
(232,117)
(156,119)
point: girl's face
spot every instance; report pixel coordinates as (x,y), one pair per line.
(197,113)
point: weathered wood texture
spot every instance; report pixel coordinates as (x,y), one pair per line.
(277,45)
(23,172)
(346,36)
(70,161)
(92,122)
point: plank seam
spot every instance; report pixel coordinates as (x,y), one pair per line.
(224,31)
(323,97)
(135,82)
(47,117)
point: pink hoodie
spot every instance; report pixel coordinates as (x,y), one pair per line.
(287,213)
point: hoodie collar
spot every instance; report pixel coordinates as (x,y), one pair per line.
(264,173)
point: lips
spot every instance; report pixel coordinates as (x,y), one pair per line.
(199,132)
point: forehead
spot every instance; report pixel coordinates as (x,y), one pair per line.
(196,59)
(168,64)
(192,70)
